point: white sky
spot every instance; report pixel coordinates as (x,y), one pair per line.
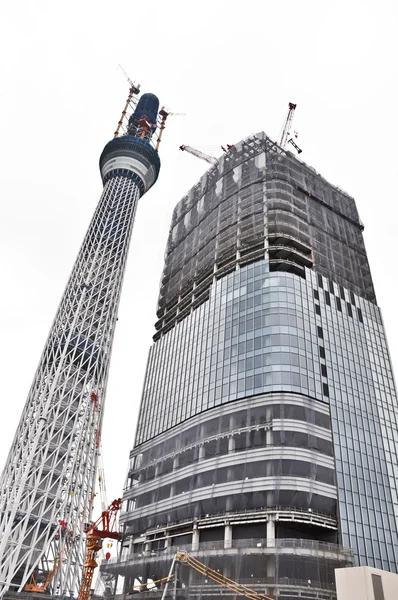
(232,67)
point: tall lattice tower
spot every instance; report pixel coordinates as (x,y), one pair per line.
(47,485)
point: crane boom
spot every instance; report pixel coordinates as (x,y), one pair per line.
(134,90)
(237,588)
(133,85)
(40,587)
(288,125)
(210,159)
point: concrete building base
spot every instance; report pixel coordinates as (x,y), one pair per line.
(366,583)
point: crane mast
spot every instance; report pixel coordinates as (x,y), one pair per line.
(104,527)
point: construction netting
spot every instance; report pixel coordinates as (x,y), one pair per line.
(258,196)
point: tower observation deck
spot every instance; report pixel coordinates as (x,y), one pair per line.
(47,486)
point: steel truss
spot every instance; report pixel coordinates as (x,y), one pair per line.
(47,486)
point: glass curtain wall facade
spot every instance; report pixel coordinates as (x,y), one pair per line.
(267,437)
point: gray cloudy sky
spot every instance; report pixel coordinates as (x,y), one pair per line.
(232,67)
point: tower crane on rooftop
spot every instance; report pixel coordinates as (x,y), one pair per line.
(286,137)
(287,126)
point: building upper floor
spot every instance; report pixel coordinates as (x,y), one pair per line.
(259,202)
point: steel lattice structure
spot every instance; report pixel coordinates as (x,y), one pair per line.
(47,486)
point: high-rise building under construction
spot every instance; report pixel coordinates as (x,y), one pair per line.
(48,483)
(266,444)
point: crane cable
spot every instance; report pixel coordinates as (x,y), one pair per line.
(101,479)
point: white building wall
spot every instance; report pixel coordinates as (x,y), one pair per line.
(363,583)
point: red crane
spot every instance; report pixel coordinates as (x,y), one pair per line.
(104,527)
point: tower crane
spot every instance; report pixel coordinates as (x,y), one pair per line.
(285,138)
(194,563)
(104,527)
(210,159)
(133,91)
(287,126)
